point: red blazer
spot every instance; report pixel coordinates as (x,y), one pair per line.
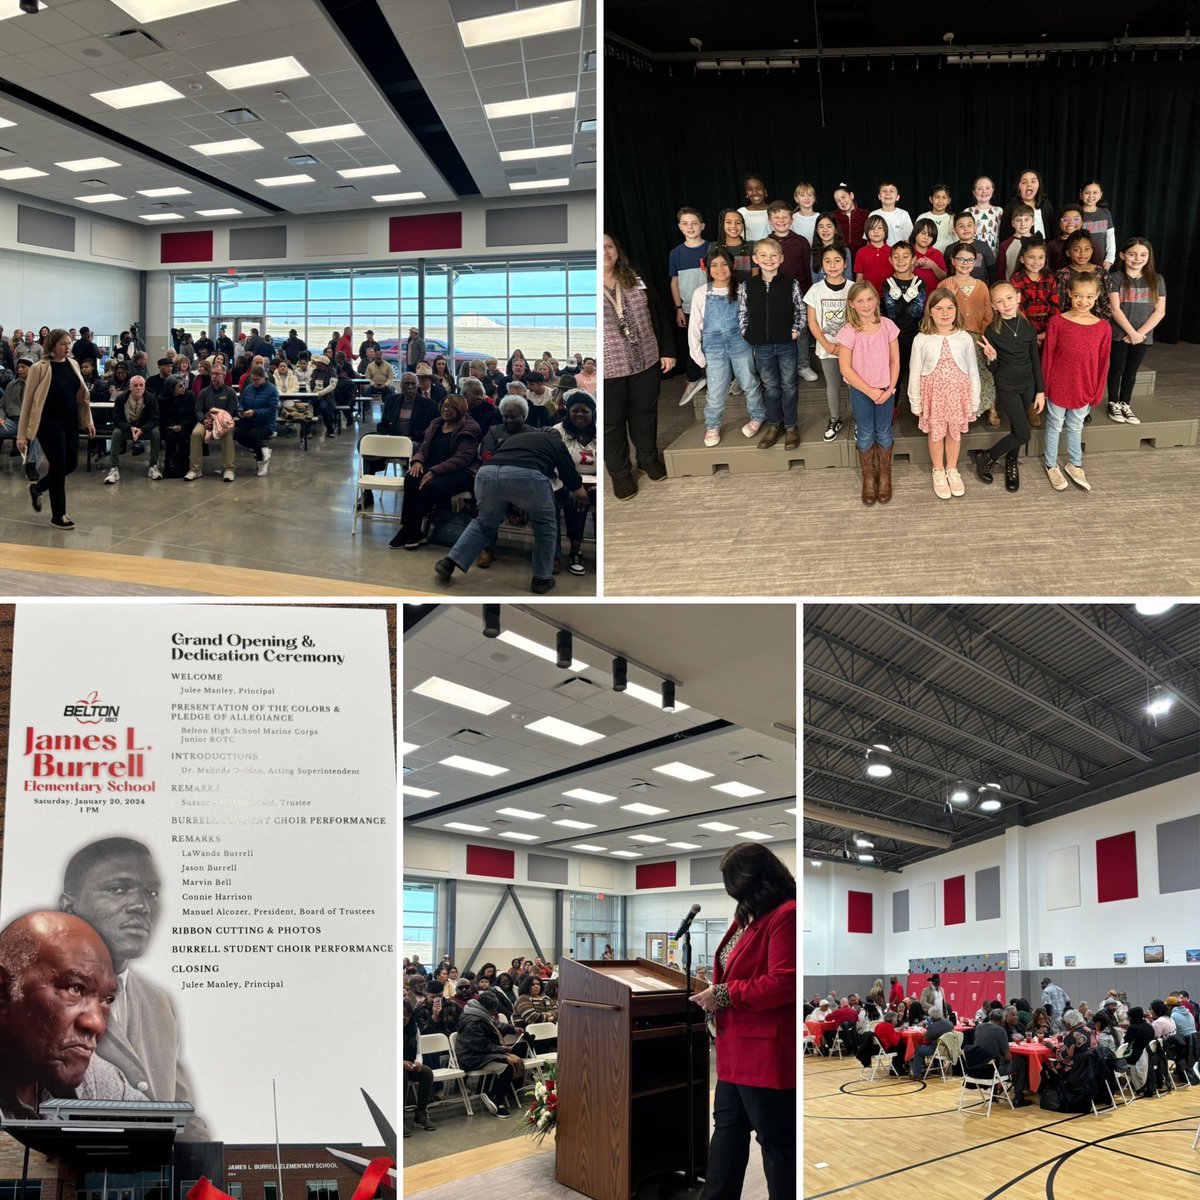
(756,1036)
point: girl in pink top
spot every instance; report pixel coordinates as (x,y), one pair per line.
(1075,367)
(869,356)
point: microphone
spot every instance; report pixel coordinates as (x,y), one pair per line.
(687,922)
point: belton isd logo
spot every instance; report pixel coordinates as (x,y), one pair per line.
(90,711)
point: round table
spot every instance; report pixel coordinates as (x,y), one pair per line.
(1036,1053)
(912,1038)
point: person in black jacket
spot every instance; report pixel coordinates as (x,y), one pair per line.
(135,415)
(415,1070)
(518,473)
(479,1044)
(293,347)
(85,349)
(513,413)
(177,414)
(220,395)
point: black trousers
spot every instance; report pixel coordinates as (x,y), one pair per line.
(252,436)
(683,355)
(423,1078)
(574,519)
(418,501)
(738,1111)
(1123,363)
(631,414)
(1013,404)
(60,446)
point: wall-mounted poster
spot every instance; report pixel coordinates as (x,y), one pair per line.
(1069,960)
(1193,956)
(1120,958)
(1045,960)
(200,822)
(1014,960)
(1153,954)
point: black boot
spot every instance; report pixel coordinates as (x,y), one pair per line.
(1012,475)
(983,465)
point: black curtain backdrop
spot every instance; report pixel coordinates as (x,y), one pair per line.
(674,136)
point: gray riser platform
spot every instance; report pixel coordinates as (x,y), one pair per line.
(688,455)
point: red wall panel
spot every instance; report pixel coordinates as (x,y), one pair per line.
(196,245)
(965,990)
(433,231)
(655,875)
(490,860)
(860,912)
(954,899)
(1116,867)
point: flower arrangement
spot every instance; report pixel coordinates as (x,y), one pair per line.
(539,1118)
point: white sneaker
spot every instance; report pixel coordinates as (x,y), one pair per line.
(809,374)
(114,476)
(261,468)
(712,437)
(832,429)
(954,479)
(191,475)
(751,428)
(489,1104)
(227,476)
(154,472)
(1127,413)
(941,486)
(692,389)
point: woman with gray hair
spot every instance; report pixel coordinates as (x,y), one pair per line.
(513,411)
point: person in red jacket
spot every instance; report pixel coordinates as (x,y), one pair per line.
(753,995)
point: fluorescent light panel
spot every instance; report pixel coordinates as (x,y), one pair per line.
(5,123)
(678,770)
(585,846)
(153,193)
(646,810)
(567,824)
(270,70)
(396,197)
(420,793)
(742,790)
(140,94)
(405,747)
(326,133)
(103,198)
(465,827)
(685,845)
(589,796)
(645,837)
(284,180)
(436,688)
(224,212)
(145,11)
(22,173)
(537,649)
(473,765)
(627,854)
(534,184)
(752,835)
(534,152)
(520,837)
(535,104)
(523,23)
(229,146)
(564,731)
(162,216)
(87,164)
(522,813)
(367,172)
(717,826)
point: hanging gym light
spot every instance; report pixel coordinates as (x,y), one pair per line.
(877,765)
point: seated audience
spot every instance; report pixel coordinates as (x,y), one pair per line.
(379,374)
(14,394)
(479,1044)
(216,413)
(430,388)
(258,416)
(938,1025)
(135,415)
(533,1005)
(415,1070)
(177,417)
(578,433)
(513,411)
(1139,1035)
(992,1040)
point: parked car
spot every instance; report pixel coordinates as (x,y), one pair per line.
(395,350)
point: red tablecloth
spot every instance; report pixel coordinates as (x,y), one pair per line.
(1036,1053)
(912,1038)
(817,1028)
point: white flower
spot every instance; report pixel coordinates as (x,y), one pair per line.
(540,1091)
(543,1119)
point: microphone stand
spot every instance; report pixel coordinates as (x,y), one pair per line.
(690,1185)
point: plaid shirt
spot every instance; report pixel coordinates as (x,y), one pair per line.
(1039,298)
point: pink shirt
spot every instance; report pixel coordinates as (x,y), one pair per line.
(870,353)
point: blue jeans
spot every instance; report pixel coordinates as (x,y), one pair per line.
(495,489)
(729,356)
(872,422)
(918,1063)
(777,369)
(8,427)
(1056,417)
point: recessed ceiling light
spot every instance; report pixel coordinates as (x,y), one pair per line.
(397,197)
(535,104)
(6,124)
(685,845)
(794,811)
(473,765)
(752,835)
(523,23)
(650,696)
(420,793)
(162,216)
(522,813)
(405,747)
(284,180)
(717,826)
(229,146)
(436,688)
(564,731)
(22,173)
(155,92)
(1153,608)
(627,854)
(465,827)
(589,796)
(645,837)
(585,846)
(520,837)
(271,70)
(741,790)
(146,11)
(678,770)
(221,212)
(534,152)
(536,649)
(168,191)
(103,198)
(327,133)
(566,824)
(367,172)
(646,810)
(534,184)
(87,164)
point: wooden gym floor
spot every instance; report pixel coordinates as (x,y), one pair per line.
(897,1137)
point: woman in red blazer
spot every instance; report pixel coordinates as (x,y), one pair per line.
(754,998)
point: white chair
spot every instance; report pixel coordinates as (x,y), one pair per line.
(542,1030)
(397,451)
(987,1083)
(1196,1139)
(884,1059)
(940,1059)
(1124,1088)
(809,1043)
(439,1043)
(480,1076)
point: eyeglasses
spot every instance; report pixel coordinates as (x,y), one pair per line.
(963,259)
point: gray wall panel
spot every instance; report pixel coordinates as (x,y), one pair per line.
(987,894)
(259,241)
(705,870)
(36,227)
(541,226)
(544,869)
(900,911)
(1179,855)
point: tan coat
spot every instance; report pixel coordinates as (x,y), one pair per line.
(37,388)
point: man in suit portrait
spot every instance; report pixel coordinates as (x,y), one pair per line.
(114,886)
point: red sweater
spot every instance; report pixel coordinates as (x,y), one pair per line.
(853,226)
(797,258)
(873,263)
(1075,362)
(888,1035)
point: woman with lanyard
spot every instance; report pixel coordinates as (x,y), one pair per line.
(633,371)
(54,408)
(754,997)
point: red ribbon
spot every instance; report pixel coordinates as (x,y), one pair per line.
(368,1185)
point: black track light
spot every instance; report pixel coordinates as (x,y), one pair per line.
(491,620)
(620,674)
(563,644)
(668,696)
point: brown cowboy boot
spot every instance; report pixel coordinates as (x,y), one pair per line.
(884,459)
(866,460)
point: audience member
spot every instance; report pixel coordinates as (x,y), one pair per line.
(216,414)
(135,415)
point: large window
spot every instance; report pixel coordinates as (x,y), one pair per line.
(420,917)
(475,309)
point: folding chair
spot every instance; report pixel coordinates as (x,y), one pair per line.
(941,1058)
(395,450)
(881,1058)
(988,1083)
(1160,1068)
(809,1043)
(537,1062)
(439,1043)
(1124,1088)
(1196,1139)
(479,1077)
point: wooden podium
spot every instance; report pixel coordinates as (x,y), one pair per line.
(622,1076)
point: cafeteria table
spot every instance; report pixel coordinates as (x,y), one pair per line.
(1036,1053)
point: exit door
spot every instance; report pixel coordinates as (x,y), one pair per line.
(235,325)
(590,946)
